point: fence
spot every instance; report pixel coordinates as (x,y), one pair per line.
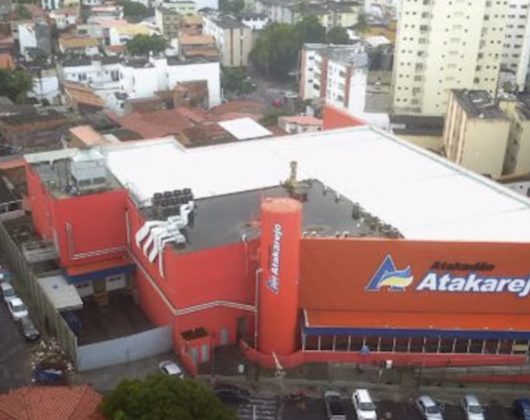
(124,349)
(43,312)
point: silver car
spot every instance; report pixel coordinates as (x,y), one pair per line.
(8,293)
(171,368)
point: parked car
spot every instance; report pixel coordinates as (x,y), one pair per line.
(428,408)
(472,408)
(8,293)
(334,406)
(231,394)
(521,406)
(17,308)
(28,329)
(363,405)
(171,368)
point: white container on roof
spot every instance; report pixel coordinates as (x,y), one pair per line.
(423,195)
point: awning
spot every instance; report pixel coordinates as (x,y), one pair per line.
(433,325)
(99,270)
(62,295)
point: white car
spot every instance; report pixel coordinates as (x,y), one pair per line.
(17,308)
(171,368)
(363,405)
(8,293)
(429,410)
(472,408)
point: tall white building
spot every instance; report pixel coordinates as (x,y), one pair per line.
(443,45)
(516,53)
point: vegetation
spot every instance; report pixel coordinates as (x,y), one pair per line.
(231,6)
(134,10)
(277,49)
(163,397)
(361,25)
(235,80)
(15,84)
(271,118)
(338,36)
(144,44)
(22,12)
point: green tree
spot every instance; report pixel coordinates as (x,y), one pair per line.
(162,397)
(310,30)
(361,25)
(15,84)
(22,12)
(236,80)
(231,6)
(134,10)
(276,50)
(144,44)
(338,36)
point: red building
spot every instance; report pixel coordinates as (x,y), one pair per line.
(367,249)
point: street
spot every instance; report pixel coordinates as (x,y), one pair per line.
(15,367)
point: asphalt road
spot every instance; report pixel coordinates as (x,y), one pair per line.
(314,410)
(15,366)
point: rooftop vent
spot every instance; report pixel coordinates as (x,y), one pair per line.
(89,171)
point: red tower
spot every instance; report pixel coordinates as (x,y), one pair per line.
(281,228)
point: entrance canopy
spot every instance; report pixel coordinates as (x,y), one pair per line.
(391,324)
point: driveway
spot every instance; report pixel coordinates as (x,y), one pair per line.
(15,364)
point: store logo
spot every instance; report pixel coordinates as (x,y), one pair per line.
(273,282)
(387,275)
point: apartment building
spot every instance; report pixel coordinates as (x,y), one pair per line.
(517,159)
(167,21)
(445,45)
(476,132)
(336,74)
(516,52)
(233,39)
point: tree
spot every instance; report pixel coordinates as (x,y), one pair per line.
(134,10)
(163,397)
(23,12)
(362,24)
(338,36)
(144,44)
(231,6)
(310,30)
(15,84)
(235,80)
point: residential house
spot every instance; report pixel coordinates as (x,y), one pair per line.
(182,7)
(121,34)
(517,159)
(191,25)
(476,132)
(78,45)
(45,85)
(191,46)
(299,124)
(111,12)
(233,39)
(64,18)
(34,39)
(6,61)
(422,130)
(255,21)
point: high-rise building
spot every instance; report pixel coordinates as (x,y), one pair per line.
(444,45)
(516,52)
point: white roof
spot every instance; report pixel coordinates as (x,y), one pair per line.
(245,128)
(377,40)
(423,195)
(63,296)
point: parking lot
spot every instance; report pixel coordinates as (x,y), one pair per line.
(315,410)
(15,365)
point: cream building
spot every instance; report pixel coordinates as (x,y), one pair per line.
(443,45)
(476,132)
(517,159)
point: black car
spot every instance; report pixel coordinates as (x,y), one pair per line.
(231,394)
(28,329)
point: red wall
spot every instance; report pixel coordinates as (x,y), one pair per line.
(216,274)
(97,220)
(335,275)
(337,118)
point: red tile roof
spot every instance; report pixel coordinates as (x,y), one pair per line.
(302,120)
(245,107)
(155,124)
(78,402)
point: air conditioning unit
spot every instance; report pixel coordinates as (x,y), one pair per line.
(89,171)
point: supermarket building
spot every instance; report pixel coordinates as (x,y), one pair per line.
(366,249)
